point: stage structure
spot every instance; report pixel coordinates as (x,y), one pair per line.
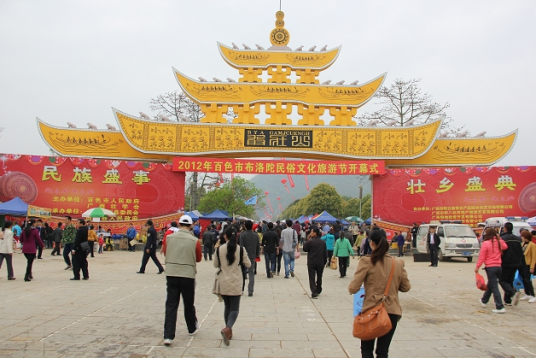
(336,139)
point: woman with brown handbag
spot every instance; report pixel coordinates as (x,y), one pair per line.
(382,282)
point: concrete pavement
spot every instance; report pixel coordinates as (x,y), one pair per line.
(119,313)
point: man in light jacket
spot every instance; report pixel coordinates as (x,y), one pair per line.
(183,251)
(131,235)
(289,239)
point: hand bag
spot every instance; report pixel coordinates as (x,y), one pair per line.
(374,322)
(85,247)
(216,286)
(333,264)
(297,254)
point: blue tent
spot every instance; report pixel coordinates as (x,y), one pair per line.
(192,214)
(368,221)
(15,207)
(325,217)
(217,215)
(344,222)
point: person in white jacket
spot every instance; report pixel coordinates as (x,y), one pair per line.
(6,249)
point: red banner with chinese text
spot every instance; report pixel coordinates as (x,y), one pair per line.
(405,196)
(310,167)
(69,186)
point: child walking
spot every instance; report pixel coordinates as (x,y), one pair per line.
(101,243)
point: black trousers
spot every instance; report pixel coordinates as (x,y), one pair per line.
(401,250)
(524,272)
(343,265)
(91,245)
(433,255)
(9,263)
(39,252)
(315,278)
(207,250)
(56,249)
(330,255)
(67,249)
(145,260)
(493,272)
(29,262)
(506,280)
(231,310)
(177,287)
(278,260)
(80,263)
(382,343)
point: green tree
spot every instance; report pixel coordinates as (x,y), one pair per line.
(294,210)
(231,197)
(324,197)
(350,207)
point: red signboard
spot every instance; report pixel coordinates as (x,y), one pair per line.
(468,194)
(310,167)
(69,186)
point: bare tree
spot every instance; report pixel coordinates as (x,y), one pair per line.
(405,104)
(176,106)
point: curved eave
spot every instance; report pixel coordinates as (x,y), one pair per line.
(281,54)
(256,152)
(430,160)
(124,151)
(180,77)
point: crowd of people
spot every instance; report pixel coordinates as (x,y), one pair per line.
(236,247)
(503,256)
(76,239)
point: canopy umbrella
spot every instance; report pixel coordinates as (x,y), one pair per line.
(354,218)
(97,213)
(368,221)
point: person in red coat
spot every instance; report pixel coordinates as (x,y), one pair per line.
(29,239)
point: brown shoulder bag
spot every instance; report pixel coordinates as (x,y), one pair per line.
(375,322)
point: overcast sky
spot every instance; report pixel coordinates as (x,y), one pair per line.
(74,60)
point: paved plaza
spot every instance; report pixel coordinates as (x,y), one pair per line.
(119,313)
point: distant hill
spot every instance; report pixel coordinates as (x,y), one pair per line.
(346,185)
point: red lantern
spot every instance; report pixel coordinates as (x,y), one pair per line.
(283,181)
(265,193)
(278,198)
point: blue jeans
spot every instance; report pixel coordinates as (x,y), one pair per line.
(270,263)
(289,261)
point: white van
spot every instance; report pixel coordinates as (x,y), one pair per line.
(519,223)
(457,240)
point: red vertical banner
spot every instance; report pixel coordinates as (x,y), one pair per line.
(468,194)
(290,181)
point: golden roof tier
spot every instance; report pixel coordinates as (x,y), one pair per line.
(93,143)
(325,112)
(294,60)
(235,140)
(462,152)
(342,101)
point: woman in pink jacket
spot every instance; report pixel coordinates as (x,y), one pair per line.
(30,239)
(490,255)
